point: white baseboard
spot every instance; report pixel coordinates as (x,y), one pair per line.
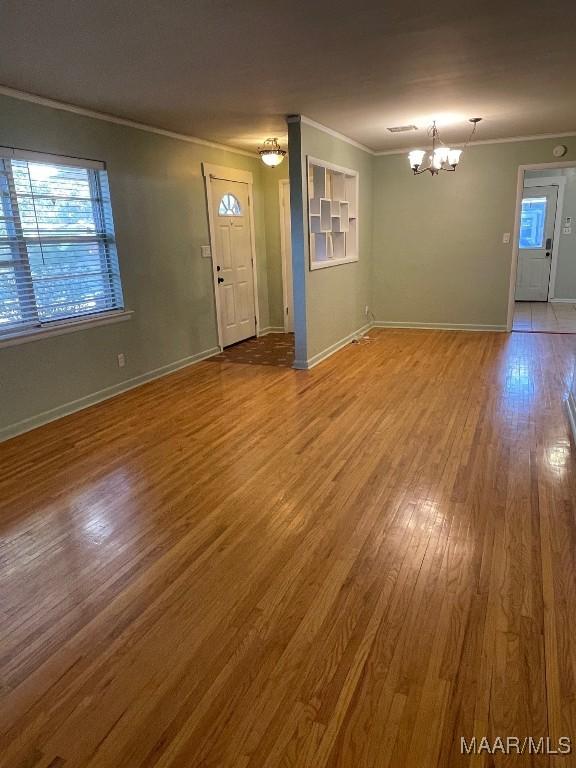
(271,329)
(305,365)
(104,394)
(438,326)
(571,408)
(562,301)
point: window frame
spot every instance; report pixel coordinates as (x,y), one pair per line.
(32,326)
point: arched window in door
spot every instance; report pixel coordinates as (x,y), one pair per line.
(229,206)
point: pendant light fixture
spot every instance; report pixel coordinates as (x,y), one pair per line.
(271,154)
(441,158)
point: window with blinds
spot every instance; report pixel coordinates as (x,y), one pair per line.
(58,256)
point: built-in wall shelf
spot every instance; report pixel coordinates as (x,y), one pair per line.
(333,214)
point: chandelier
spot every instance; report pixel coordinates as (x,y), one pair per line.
(441,158)
(271,154)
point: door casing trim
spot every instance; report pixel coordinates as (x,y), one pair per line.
(516,234)
(223,173)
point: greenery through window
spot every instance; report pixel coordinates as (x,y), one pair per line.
(57,249)
(532,222)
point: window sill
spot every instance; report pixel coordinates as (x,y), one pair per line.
(64,326)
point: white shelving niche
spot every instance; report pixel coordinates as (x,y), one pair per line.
(333,214)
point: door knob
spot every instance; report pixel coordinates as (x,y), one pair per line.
(547,254)
(220,279)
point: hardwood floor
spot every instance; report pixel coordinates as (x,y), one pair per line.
(257,567)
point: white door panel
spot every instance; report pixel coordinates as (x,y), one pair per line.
(228,306)
(233,257)
(538,216)
(223,246)
(244,298)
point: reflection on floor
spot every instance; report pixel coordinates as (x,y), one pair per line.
(544,316)
(275,349)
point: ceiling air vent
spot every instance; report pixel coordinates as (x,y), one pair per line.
(403,128)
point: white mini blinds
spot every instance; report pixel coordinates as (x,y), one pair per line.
(57,249)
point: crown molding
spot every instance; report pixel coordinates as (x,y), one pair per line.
(479,142)
(52,103)
(331,132)
(384,153)
(64,107)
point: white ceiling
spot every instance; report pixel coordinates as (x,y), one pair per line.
(230,71)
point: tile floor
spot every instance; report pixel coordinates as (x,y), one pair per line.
(275,349)
(544,316)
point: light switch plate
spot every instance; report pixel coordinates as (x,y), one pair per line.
(206,251)
(506,237)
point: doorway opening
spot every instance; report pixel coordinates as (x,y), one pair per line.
(543,280)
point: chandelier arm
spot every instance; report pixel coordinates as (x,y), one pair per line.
(472,132)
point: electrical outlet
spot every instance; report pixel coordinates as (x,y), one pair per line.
(121,360)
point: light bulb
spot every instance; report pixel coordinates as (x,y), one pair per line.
(272,159)
(415,158)
(442,154)
(271,154)
(454,156)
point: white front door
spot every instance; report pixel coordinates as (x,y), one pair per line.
(537,220)
(286,240)
(233,257)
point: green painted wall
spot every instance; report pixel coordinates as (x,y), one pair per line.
(336,297)
(159,204)
(438,255)
(270,180)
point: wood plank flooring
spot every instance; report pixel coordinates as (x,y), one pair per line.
(257,567)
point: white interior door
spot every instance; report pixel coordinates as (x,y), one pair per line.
(537,218)
(233,257)
(286,237)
